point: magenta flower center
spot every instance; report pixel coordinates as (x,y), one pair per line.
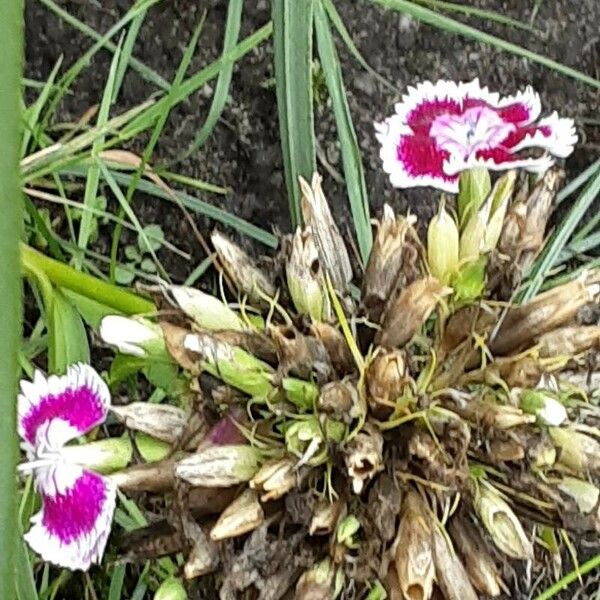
(476,129)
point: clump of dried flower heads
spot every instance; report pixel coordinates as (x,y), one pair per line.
(406,432)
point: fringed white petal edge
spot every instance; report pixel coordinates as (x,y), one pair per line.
(561,140)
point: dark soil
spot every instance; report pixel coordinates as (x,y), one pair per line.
(244,152)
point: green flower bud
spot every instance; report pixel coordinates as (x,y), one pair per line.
(442,246)
(171,589)
(151,449)
(499,200)
(474,186)
(103,456)
(347,528)
(205,310)
(132,335)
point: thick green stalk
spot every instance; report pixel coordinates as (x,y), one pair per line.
(11,33)
(64,276)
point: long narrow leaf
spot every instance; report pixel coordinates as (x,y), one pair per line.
(11,33)
(292,47)
(559,239)
(232,31)
(353,169)
(446,23)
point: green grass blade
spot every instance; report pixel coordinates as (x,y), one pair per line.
(93,178)
(232,31)
(292,47)
(343,32)
(32,114)
(125,55)
(104,40)
(576,183)
(430,17)
(472,11)
(116,583)
(24,580)
(562,584)
(559,239)
(353,169)
(11,34)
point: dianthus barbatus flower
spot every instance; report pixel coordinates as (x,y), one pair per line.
(443,128)
(72,528)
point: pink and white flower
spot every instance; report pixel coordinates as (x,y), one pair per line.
(73,526)
(443,128)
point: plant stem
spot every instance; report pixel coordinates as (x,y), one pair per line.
(67,277)
(11,32)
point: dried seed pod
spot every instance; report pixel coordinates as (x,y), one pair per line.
(325,517)
(162,421)
(305,278)
(301,355)
(577,451)
(450,573)
(413,554)
(155,477)
(392,261)
(498,416)
(569,341)
(206,311)
(339,399)
(584,493)
(364,456)
(387,380)
(335,344)
(522,324)
(479,565)
(442,246)
(502,524)
(242,269)
(243,515)
(333,255)
(392,585)
(522,235)
(275,478)
(219,466)
(203,557)
(408,312)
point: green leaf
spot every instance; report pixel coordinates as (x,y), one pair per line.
(148,265)
(91,310)
(447,24)
(353,169)
(24,580)
(67,340)
(292,47)
(116,583)
(124,275)
(232,31)
(132,253)
(152,239)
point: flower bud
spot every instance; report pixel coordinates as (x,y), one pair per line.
(340,400)
(205,310)
(305,279)
(161,421)
(499,200)
(346,530)
(242,270)
(302,394)
(480,566)
(584,493)
(469,282)
(305,439)
(104,456)
(155,477)
(325,517)
(275,478)
(387,381)
(451,574)
(333,255)
(219,466)
(472,239)
(503,525)
(150,449)
(541,403)
(413,556)
(474,185)
(243,515)
(171,589)
(132,335)
(442,246)
(231,364)
(364,456)
(409,311)
(577,451)
(392,261)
